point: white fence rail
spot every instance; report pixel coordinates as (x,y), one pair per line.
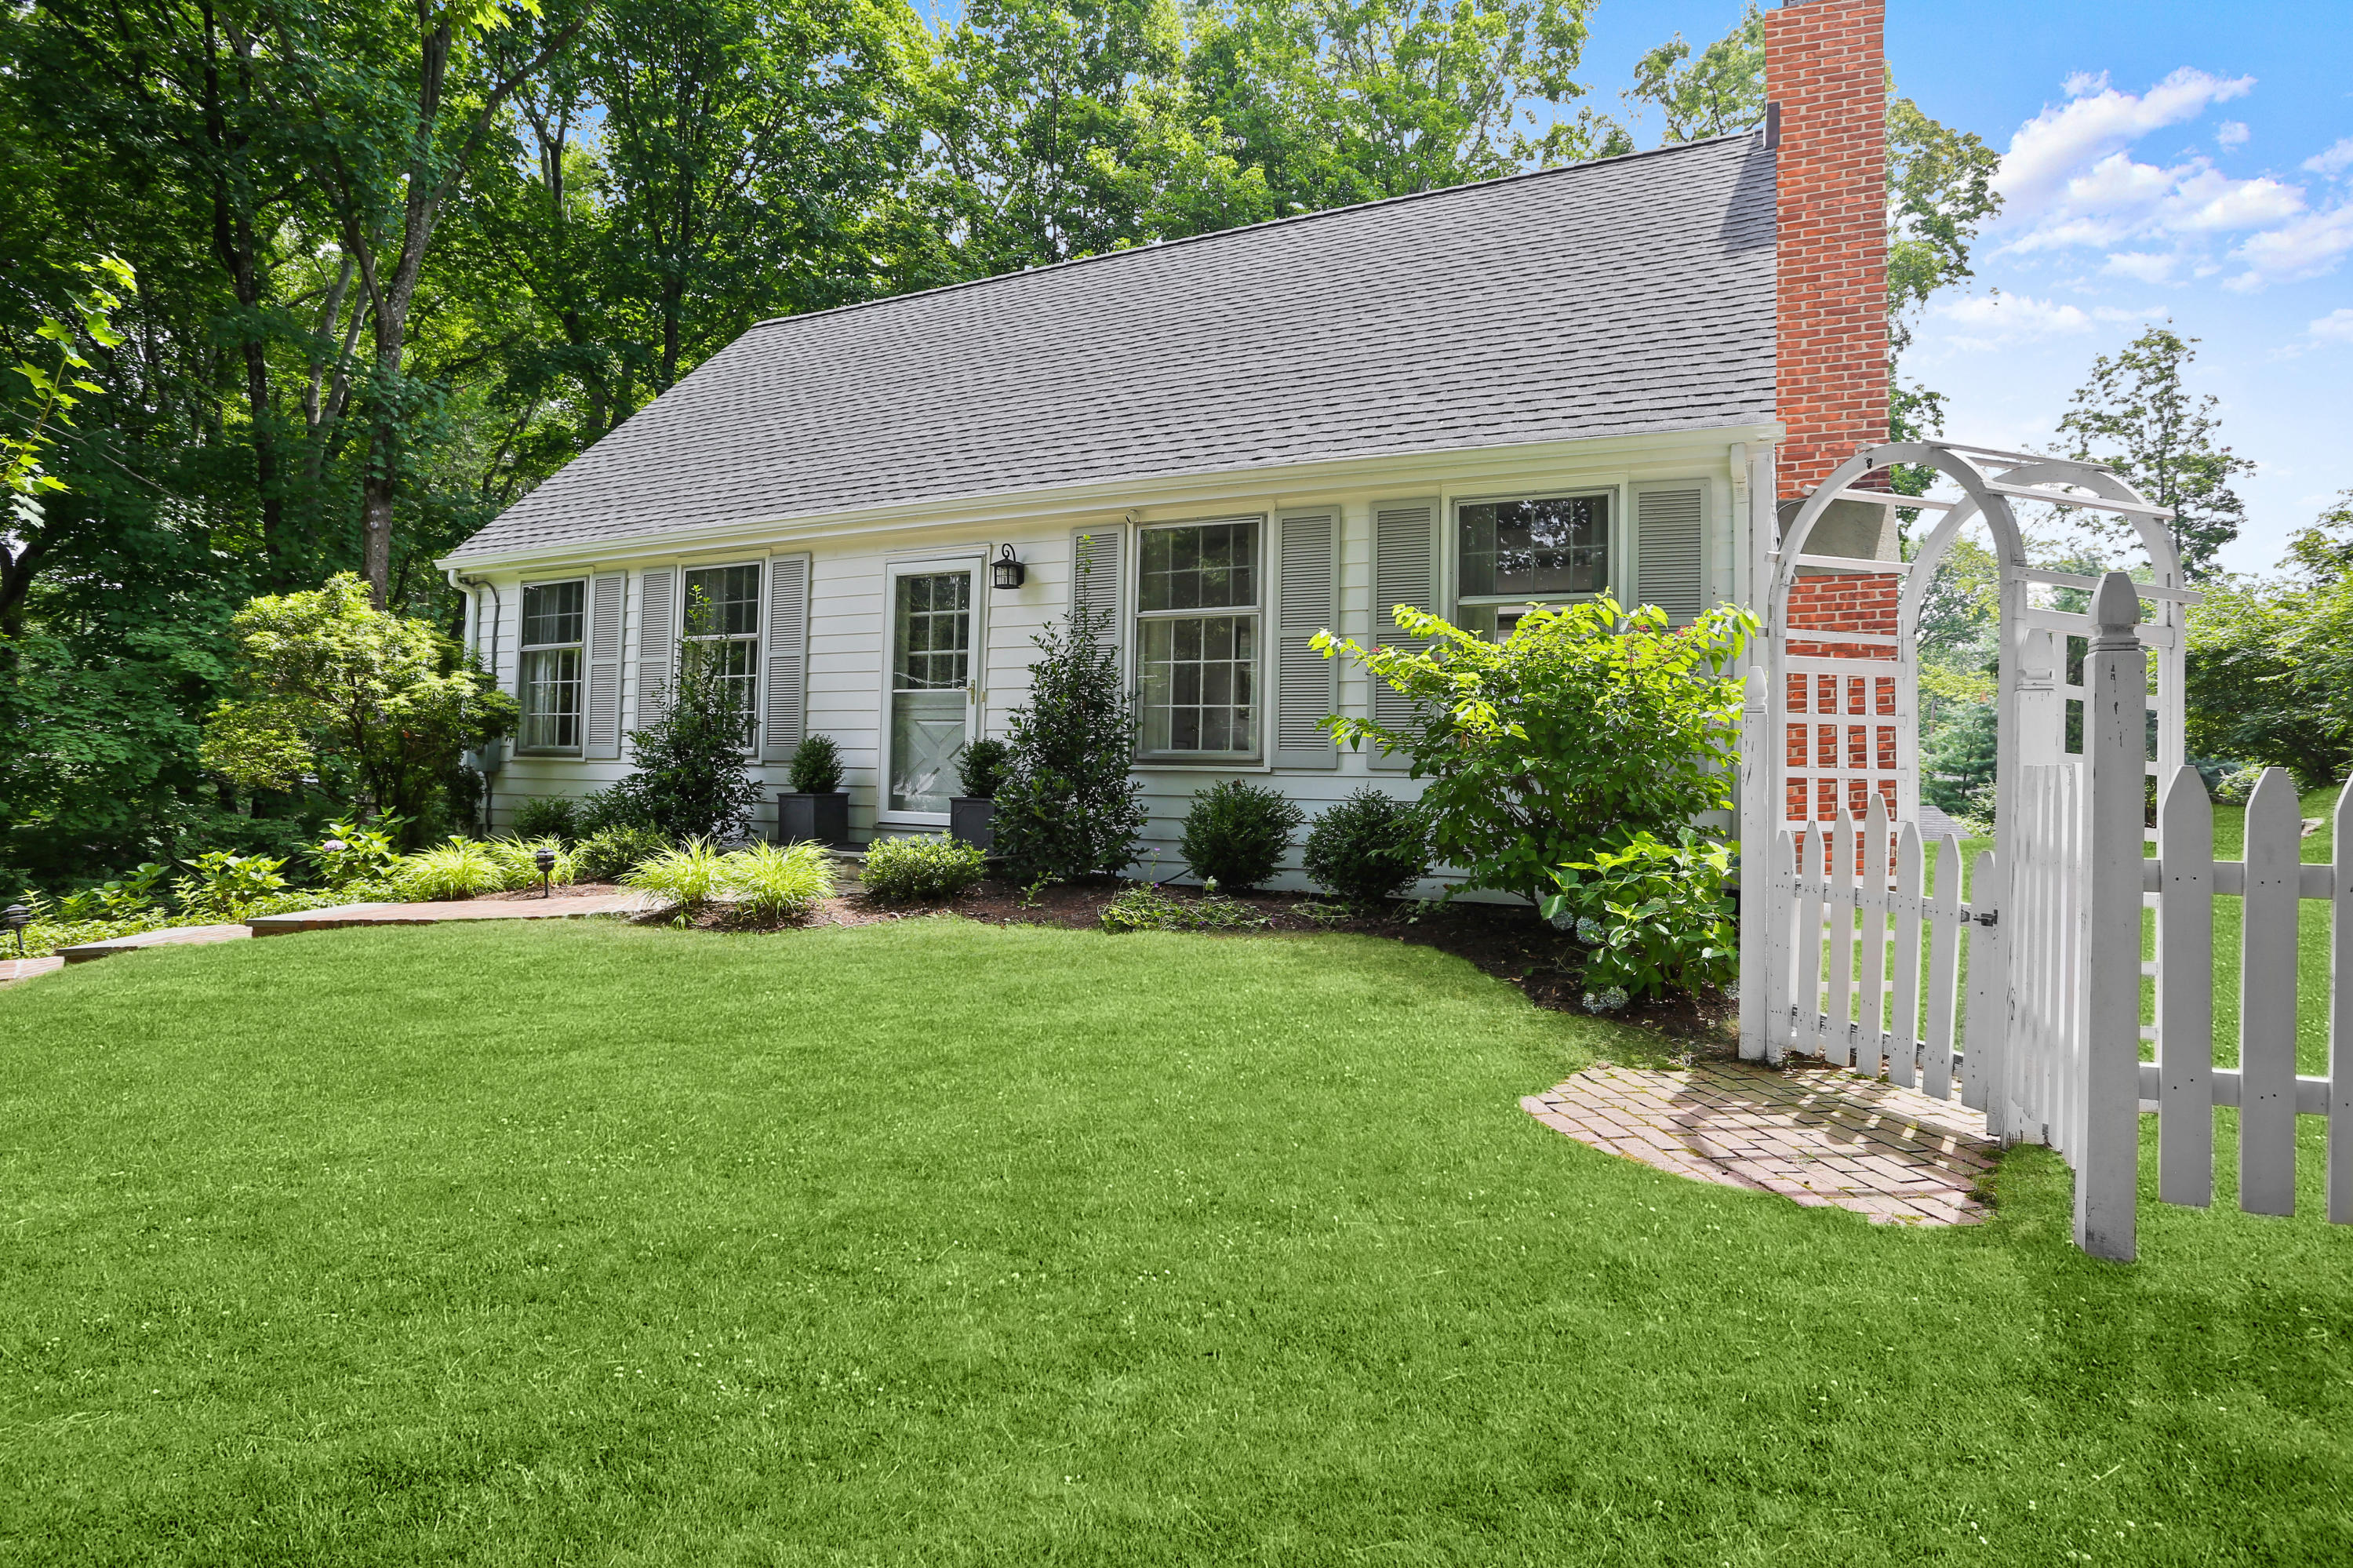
(1863,937)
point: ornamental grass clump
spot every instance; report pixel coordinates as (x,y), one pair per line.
(1237,832)
(922,870)
(773,885)
(1369,848)
(688,878)
(460,868)
(518,859)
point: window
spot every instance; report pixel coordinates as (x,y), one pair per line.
(1512,554)
(722,628)
(551,618)
(1196,637)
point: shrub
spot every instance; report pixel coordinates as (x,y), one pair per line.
(693,777)
(816,767)
(1651,915)
(547,816)
(2236,788)
(981,769)
(614,806)
(461,868)
(773,885)
(132,896)
(919,870)
(1067,806)
(688,878)
(362,855)
(1236,833)
(1369,848)
(1144,908)
(518,860)
(606,854)
(1588,724)
(219,884)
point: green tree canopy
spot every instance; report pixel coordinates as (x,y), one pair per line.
(2135,415)
(374,704)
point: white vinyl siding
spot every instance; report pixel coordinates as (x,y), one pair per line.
(1404,571)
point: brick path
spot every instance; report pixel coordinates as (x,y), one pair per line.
(15,969)
(1814,1137)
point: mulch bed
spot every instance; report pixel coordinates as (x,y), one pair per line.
(1510,944)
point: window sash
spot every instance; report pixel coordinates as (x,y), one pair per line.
(1198,678)
(556,612)
(1576,565)
(550,700)
(738,660)
(730,601)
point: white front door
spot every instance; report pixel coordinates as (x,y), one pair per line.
(932,685)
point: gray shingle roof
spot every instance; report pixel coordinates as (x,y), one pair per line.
(1626,296)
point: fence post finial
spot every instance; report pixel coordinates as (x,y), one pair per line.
(2116,607)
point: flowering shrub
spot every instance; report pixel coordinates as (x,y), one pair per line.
(1652,917)
(350,853)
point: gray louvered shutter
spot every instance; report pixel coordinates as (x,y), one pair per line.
(1306,684)
(786,676)
(1404,571)
(657,640)
(608,595)
(1096,558)
(1671,549)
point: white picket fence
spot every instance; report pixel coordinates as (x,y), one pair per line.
(2045,1036)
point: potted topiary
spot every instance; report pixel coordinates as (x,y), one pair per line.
(971,815)
(816,807)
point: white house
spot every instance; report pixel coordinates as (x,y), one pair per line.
(1535,389)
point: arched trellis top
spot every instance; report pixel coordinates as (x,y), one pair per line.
(1853,729)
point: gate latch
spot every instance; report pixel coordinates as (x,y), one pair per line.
(1989,917)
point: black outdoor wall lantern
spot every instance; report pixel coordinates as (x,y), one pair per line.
(1007,572)
(545,859)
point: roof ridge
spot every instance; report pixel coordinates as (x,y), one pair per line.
(1516,176)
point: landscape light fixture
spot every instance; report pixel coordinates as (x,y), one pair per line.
(545,859)
(16,918)
(1007,572)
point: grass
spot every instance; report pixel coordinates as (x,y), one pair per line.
(937,1243)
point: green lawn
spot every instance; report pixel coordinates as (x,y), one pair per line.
(937,1243)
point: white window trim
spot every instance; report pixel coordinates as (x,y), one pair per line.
(1621,545)
(523,650)
(1260,759)
(974,560)
(759,564)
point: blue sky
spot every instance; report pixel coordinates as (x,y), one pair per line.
(2161,159)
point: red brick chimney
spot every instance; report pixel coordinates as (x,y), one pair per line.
(1826,73)
(1826,80)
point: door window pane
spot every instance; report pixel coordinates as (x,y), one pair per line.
(932,641)
(1535,547)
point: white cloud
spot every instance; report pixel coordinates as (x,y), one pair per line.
(1996,319)
(2335,161)
(2336,327)
(2145,265)
(2232,133)
(2306,248)
(2095,122)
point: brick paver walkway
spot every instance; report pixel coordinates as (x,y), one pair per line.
(15,969)
(1814,1137)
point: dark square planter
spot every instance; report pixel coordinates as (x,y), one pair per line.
(973,820)
(825,818)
